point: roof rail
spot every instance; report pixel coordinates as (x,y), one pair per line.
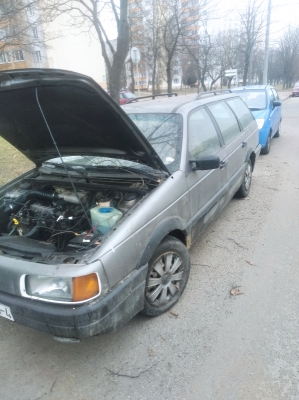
(152,96)
(213,93)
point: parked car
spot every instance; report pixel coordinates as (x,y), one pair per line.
(295,91)
(100,229)
(265,105)
(125,97)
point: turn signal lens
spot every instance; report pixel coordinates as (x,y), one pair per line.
(85,287)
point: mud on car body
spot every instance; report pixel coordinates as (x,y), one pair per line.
(100,229)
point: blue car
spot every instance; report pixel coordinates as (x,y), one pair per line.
(265,106)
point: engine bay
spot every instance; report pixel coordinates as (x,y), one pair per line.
(39,217)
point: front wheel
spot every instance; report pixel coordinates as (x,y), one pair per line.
(266,149)
(167,276)
(246,184)
(277,134)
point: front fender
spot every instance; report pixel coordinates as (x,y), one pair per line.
(160,232)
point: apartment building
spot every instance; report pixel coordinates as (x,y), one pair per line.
(21,36)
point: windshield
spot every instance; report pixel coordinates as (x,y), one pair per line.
(164,133)
(254,99)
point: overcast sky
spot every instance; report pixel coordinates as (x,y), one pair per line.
(284,14)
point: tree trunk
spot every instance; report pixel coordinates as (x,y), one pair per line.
(169,77)
(229,82)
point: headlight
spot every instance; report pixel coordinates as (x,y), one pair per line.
(61,289)
(260,123)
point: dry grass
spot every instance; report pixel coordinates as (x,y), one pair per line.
(12,162)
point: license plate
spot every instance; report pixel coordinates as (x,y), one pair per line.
(5,312)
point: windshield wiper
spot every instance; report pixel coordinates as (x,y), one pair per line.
(79,169)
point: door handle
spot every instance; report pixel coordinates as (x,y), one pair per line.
(244,144)
(223,164)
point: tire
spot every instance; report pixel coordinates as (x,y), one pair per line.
(277,134)
(266,149)
(246,184)
(167,276)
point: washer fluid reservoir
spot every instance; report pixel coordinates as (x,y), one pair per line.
(104,218)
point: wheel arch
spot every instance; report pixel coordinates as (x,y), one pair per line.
(173,226)
(252,157)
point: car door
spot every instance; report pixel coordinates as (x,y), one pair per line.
(235,140)
(205,187)
(275,112)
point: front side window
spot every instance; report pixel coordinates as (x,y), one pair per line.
(271,98)
(241,110)
(276,97)
(164,133)
(226,120)
(202,134)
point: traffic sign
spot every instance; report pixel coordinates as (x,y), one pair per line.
(135,55)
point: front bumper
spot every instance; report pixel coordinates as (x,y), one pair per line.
(97,317)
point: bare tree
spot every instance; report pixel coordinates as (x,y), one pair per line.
(89,15)
(196,37)
(288,51)
(175,20)
(253,21)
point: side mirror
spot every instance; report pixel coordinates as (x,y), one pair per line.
(204,163)
(276,103)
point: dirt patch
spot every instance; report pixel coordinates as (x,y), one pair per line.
(12,162)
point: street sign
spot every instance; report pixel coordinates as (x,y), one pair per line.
(135,55)
(231,72)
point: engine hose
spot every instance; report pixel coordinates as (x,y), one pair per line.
(32,232)
(15,205)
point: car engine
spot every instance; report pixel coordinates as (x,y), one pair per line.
(60,216)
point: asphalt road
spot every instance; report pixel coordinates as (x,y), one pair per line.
(212,345)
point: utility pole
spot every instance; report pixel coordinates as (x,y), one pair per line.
(265,72)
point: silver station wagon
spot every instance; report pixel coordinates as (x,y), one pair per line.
(100,229)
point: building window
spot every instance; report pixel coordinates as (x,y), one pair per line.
(2,58)
(17,55)
(11,56)
(2,34)
(38,56)
(31,10)
(34,31)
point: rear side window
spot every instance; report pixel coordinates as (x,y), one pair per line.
(202,134)
(226,121)
(241,111)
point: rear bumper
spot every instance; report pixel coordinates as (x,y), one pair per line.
(98,317)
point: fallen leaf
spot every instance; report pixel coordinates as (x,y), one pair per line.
(236,291)
(173,314)
(150,352)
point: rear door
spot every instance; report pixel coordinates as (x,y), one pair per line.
(235,139)
(206,188)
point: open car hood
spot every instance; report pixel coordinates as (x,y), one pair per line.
(81,116)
